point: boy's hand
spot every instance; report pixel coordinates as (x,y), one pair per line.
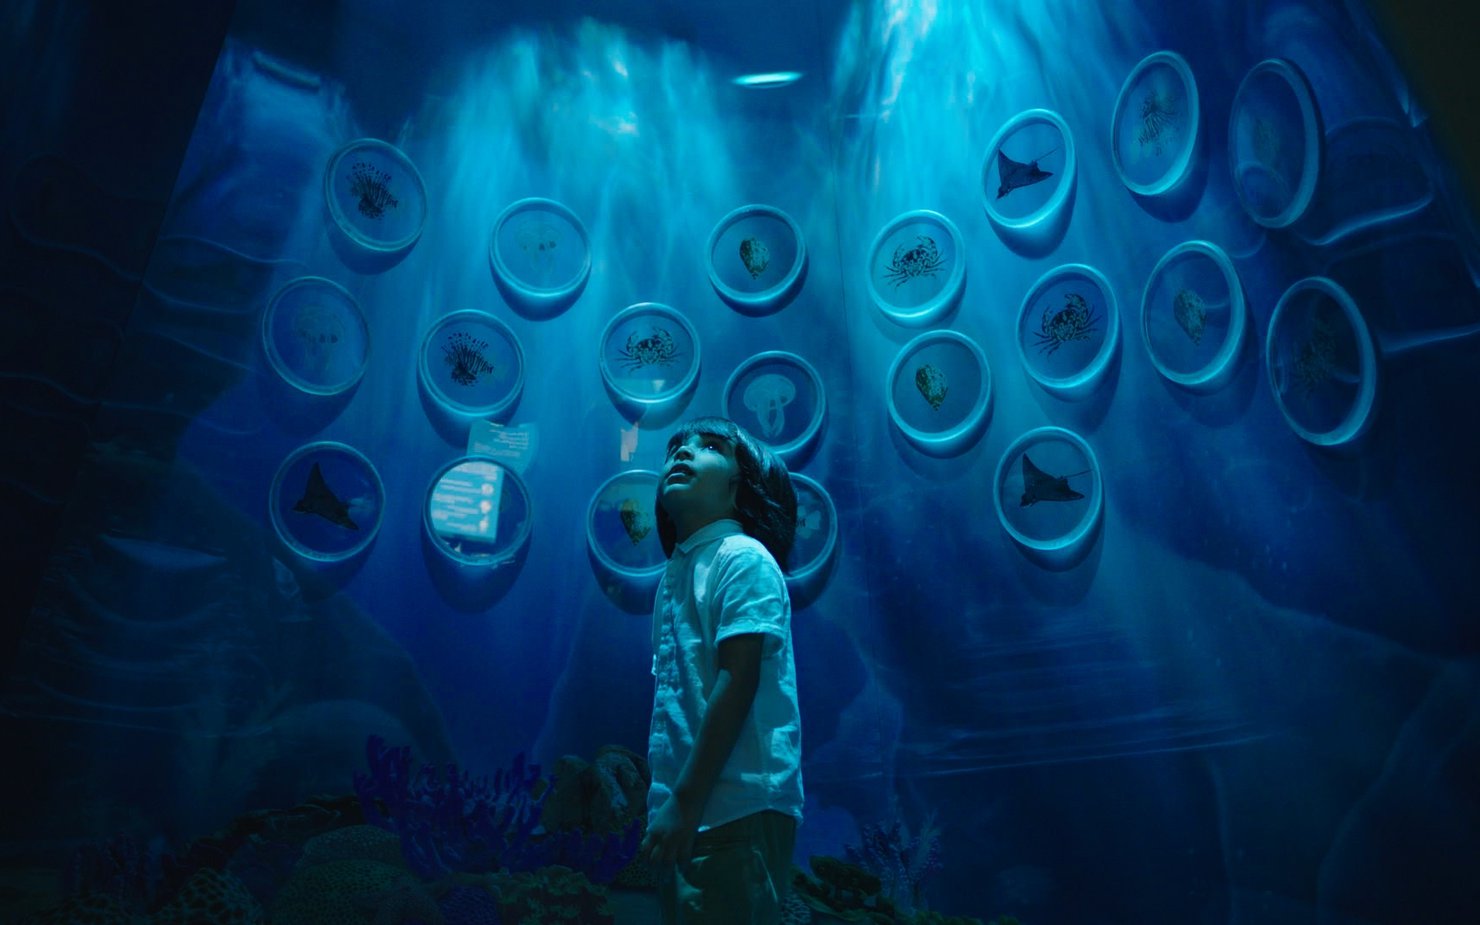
(670,837)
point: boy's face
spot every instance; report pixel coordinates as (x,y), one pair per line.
(699,479)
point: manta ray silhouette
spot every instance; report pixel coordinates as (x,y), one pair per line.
(319,499)
(1018,174)
(1040,486)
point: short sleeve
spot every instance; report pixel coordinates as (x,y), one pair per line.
(749,595)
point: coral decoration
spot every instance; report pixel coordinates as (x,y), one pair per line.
(210,897)
(448,821)
(89,909)
(901,863)
(554,895)
(352,843)
(470,905)
(343,893)
(121,867)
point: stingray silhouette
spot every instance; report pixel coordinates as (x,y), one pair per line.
(319,499)
(1018,174)
(1040,486)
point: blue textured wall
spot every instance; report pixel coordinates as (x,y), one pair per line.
(1252,699)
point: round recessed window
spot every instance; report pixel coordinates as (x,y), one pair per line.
(649,354)
(1274,143)
(757,259)
(1322,363)
(326,502)
(817,530)
(1028,174)
(939,392)
(540,254)
(376,200)
(1193,315)
(1155,128)
(477,512)
(1049,495)
(777,397)
(917,268)
(315,336)
(622,528)
(1068,330)
(472,364)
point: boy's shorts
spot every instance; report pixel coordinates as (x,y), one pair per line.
(739,874)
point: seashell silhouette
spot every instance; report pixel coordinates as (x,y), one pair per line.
(755,255)
(932,385)
(637,522)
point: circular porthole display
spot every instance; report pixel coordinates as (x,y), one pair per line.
(817,531)
(1049,495)
(326,502)
(477,512)
(1028,174)
(472,364)
(1155,127)
(1274,143)
(1068,330)
(757,259)
(1322,363)
(621,527)
(1193,316)
(540,255)
(315,336)
(377,204)
(917,268)
(778,397)
(649,354)
(939,392)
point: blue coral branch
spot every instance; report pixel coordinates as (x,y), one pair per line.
(446,819)
(449,821)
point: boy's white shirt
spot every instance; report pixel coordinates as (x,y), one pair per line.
(721,583)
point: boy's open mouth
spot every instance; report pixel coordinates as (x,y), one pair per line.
(679,469)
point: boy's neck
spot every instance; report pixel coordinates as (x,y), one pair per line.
(683,531)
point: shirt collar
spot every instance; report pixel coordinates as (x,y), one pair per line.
(710,532)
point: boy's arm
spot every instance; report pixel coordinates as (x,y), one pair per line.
(729,704)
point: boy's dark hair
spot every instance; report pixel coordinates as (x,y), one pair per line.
(765,501)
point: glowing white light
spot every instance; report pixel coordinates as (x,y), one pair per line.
(768,80)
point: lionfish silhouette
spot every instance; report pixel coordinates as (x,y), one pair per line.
(1040,486)
(1018,174)
(319,499)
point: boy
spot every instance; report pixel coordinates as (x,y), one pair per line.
(725,743)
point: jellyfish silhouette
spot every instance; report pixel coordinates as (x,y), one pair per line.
(768,396)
